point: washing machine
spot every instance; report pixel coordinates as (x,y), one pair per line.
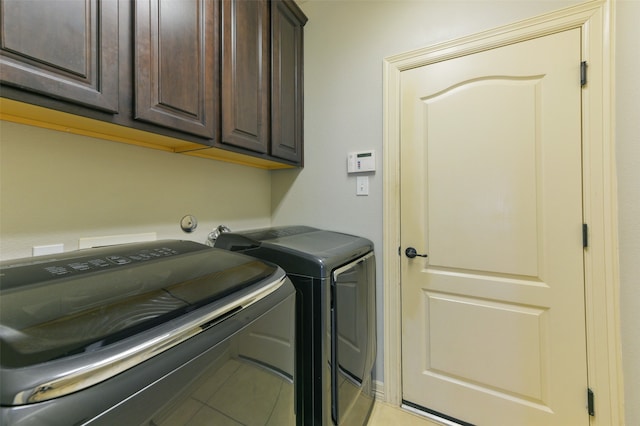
(160,333)
(334,277)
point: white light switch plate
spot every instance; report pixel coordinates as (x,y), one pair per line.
(362,185)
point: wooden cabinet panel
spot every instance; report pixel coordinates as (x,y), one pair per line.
(245,74)
(66,49)
(287,113)
(212,78)
(176,64)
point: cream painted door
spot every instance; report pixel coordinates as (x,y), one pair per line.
(493,320)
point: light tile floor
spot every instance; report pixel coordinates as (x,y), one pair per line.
(221,398)
(238,393)
(388,415)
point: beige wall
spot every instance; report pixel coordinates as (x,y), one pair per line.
(57,187)
(345,43)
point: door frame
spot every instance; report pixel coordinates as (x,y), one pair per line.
(595,19)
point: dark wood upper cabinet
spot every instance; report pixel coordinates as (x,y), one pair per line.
(287,112)
(245,74)
(176,64)
(66,49)
(213,78)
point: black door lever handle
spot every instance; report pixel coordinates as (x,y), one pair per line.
(410,252)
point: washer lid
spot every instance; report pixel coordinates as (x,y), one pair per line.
(56,306)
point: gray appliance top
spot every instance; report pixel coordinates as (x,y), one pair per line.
(64,305)
(300,250)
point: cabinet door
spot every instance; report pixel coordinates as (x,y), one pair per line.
(67,49)
(176,70)
(287,112)
(245,74)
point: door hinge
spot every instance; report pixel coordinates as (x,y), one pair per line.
(590,402)
(585,235)
(583,73)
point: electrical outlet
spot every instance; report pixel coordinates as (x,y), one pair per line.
(48,249)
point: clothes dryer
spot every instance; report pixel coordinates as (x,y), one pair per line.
(334,277)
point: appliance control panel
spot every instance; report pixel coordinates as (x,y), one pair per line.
(362,161)
(44,268)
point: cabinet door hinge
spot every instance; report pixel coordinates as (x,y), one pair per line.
(590,402)
(583,73)
(585,235)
